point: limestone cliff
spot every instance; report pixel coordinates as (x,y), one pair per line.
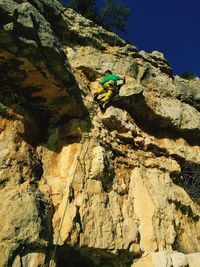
(81,187)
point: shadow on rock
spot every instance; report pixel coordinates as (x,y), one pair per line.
(91,257)
(153,123)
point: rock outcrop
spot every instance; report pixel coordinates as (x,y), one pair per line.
(82,187)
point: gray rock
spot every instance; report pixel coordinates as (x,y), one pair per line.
(116,119)
(162,259)
(158,55)
(74,128)
(188,91)
(88,32)
(179,260)
(194,259)
(31,36)
(173,113)
(131,87)
(21,222)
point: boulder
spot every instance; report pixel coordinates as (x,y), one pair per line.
(116,119)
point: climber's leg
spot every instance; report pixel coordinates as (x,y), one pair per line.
(108,97)
(109,86)
(100,91)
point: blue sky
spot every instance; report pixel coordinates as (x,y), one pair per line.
(172,27)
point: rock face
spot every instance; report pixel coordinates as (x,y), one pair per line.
(82,187)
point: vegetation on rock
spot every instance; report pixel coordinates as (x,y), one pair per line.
(188,75)
(112,16)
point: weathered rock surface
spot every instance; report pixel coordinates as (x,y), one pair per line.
(79,187)
(163,259)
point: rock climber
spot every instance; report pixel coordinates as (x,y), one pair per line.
(109,85)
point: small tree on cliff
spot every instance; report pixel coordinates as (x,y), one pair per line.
(188,75)
(112,16)
(87,8)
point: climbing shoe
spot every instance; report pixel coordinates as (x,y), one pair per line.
(95,96)
(103,106)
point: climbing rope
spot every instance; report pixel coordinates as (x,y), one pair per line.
(78,160)
(93,113)
(66,205)
(115,40)
(112,63)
